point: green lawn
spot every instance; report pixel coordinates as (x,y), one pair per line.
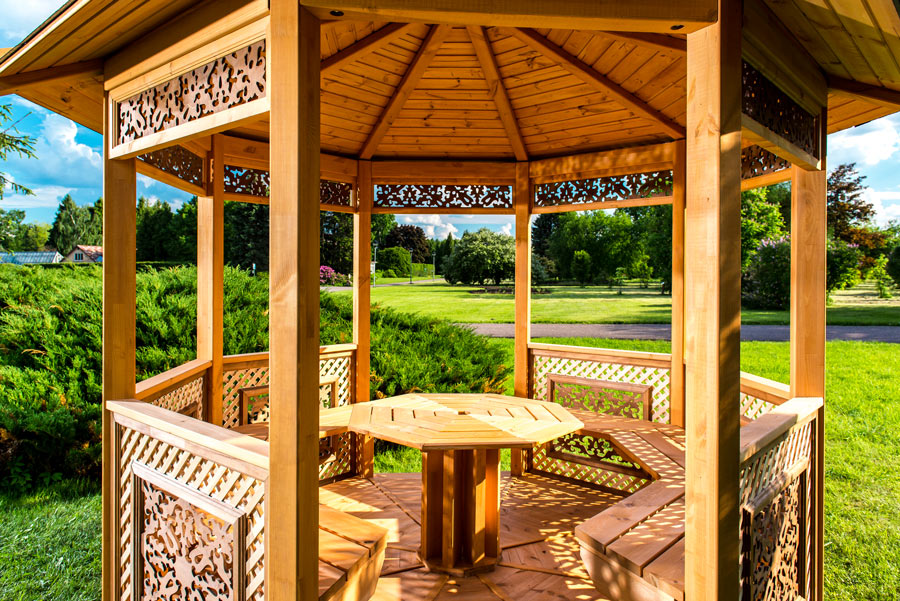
(600,304)
(50,541)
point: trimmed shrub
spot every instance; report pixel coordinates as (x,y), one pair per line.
(481,257)
(766,283)
(394,259)
(581,266)
(842,266)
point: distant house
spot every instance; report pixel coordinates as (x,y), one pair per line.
(31,258)
(85,254)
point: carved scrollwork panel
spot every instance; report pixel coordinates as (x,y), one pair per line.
(756,161)
(177,161)
(593,451)
(250,182)
(338,194)
(228,81)
(188,545)
(774,545)
(437,197)
(601,396)
(768,105)
(604,189)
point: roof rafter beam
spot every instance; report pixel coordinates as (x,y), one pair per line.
(599,81)
(14,84)
(497,91)
(657,41)
(863,91)
(430,45)
(367,45)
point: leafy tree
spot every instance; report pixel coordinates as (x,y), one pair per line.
(607,238)
(70,225)
(444,250)
(480,257)
(543,269)
(893,265)
(581,266)
(760,220)
(93,230)
(154,226)
(841,265)
(542,231)
(396,259)
(847,209)
(12,142)
(382,224)
(16,236)
(247,235)
(780,196)
(412,238)
(653,228)
(336,241)
(183,245)
(766,283)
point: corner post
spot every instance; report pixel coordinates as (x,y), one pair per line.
(808,261)
(210,279)
(364,453)
(522,204)
(292,512)
(712,307)
(119,310)
(676,377)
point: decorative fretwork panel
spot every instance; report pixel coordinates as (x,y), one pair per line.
(604,189)
(753,407)
(768,105)
(205,480)
(763,468)
(656,377)
(228,81)
(250,182)
(599,396)
(189,393)
(544,459)
(177,161)
(339,194)
(184,550)
(774,545)
(756,161)
(437,197)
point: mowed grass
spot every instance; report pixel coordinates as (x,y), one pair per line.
(50,541)
(601,304)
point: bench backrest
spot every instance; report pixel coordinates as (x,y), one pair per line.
(601,396)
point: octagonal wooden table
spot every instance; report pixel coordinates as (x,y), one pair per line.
(460,436)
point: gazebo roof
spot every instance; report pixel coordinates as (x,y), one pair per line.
(418,90)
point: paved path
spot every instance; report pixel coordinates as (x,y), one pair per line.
(661,331)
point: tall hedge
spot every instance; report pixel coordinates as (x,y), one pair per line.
(50,359)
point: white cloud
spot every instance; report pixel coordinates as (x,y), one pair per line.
(20,18)
(886,203)
(867,144)
(506,229)
(435,226)
(44,197)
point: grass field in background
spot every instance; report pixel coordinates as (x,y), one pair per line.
(50,541)
(601,304)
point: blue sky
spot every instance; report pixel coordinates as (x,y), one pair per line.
(70,155)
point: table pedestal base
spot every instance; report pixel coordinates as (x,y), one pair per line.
(460,511)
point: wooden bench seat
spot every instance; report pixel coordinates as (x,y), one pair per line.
(635,548)
(351,555)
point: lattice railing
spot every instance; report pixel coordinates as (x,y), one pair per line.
(777,479)
(336,368)
(181,389)
(189,514)
(761,395)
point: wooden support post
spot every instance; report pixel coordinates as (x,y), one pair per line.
(119,283)
(362,293)
(522,384)
(676,375)
(292,512)
(808,255)
(712,307)
(210,279)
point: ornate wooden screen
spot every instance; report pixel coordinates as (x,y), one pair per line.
(756,161)
(163,487)
(174,162)
(436,198)
(599,191)
(777,522)
(602,396)
(226,82)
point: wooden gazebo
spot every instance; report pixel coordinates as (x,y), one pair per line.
(451,106)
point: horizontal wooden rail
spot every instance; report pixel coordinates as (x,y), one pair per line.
(250,360)
(765,389)
(760,434)
(166,382)
(602,355)
(232,449)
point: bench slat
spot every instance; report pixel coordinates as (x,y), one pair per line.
(667,571)
(649,539)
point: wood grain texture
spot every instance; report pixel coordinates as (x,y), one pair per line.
(292,561)
(676,377)
(712,327)
(362,294)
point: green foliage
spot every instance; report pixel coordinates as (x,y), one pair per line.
(842,266)
(766,282)
(382,224)
(12,142)
(760,220)
(609,239)
(883,281)
(481,257)
(16,236)
(543,269)
(394,259)
(443,250)
(75,225)
(581,267)
(412,238)
(847,209)
(542,229)
(336,241)
(893,265)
